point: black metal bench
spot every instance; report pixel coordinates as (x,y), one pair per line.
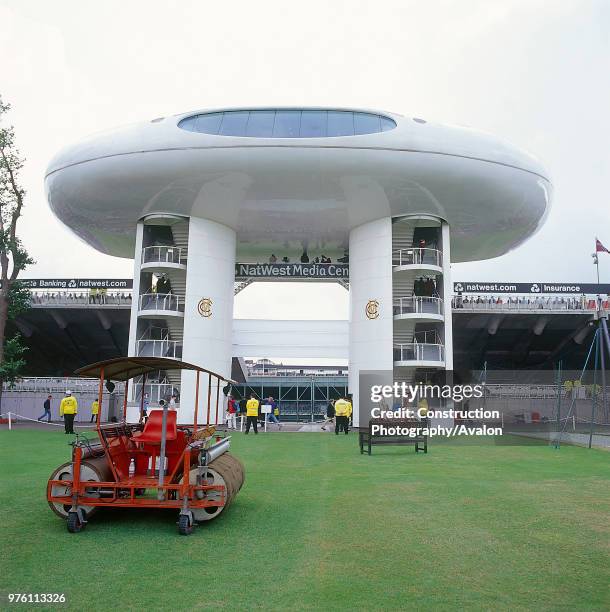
(368,439)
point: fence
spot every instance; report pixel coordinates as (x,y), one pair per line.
(526,303)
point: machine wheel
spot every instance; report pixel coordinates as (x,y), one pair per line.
(184,525)
(92,470)
(228,471)
(74,523)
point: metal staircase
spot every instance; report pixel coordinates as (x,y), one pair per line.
(176,329)
(180,233)
(177,280)
(241,285)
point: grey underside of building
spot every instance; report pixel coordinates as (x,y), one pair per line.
(60,340)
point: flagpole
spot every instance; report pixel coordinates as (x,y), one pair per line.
(596,255)
(597,266)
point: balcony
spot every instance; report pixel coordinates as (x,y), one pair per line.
(160,348)
(163,257)
(416,258)
(419,308)
(160,305)
(419,354)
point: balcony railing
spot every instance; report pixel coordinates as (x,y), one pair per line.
(418,304)
(80,299)
(160,348)
(415,351)
(162,301)
(527,303)
(416,255)
(163,254)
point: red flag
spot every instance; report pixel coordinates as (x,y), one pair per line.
(600,248)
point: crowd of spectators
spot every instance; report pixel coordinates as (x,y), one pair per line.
(527,302)
(94,296)
(425,287)
(305,258)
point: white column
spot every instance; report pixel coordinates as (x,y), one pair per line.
(135,292)
(448,324)
(371,339)
(447,295)
(207,339)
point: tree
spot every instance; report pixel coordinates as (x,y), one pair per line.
(13,256)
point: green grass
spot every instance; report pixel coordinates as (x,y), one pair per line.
(317,526)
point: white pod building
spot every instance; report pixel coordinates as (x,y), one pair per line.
(190,195)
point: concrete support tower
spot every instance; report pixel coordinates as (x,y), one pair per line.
(400,300)
(183,287)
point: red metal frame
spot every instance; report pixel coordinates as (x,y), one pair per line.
(120,448)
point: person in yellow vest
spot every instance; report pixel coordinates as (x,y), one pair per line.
(95,408)
(343,411)
(68,409)
(422,408)
(252,413)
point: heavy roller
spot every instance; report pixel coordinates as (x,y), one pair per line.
(142,465)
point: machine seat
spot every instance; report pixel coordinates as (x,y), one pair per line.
(152,430)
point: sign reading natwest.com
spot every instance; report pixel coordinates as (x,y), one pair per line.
(77,283)
(531,288)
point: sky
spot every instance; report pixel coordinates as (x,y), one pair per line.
(533,72)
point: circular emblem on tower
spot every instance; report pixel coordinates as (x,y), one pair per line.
(372,309)
(204,308)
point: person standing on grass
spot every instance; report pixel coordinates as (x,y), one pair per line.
(252,414)
(343,411)
(272,417)
(330,414)
(47,409)
(68,409)
(231,413)
(95,408)
(145,405)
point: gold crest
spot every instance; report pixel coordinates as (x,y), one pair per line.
(205,307)
(372,309)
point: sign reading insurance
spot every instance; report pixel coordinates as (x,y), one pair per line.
(532,288)
(280,271)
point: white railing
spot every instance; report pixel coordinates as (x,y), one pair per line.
(416,255)
(160,348)
(155,333)
(51,384)
(417,304)
(415,351)
(163,254)
(526,303)
(156,391)
(540,391)
(296,373)
(162,301)
(69,298)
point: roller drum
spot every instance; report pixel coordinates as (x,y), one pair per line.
(228,471)
(94,469)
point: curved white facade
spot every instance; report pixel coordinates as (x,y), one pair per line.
(276,191)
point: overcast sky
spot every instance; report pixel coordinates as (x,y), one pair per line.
(533,72)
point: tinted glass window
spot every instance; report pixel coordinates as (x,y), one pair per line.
(387,124)
(313,124)
(209,123)
(234,124)
(287,124)
(272,123)
(340,123)
(189,124)
(365,123)
(260,123)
